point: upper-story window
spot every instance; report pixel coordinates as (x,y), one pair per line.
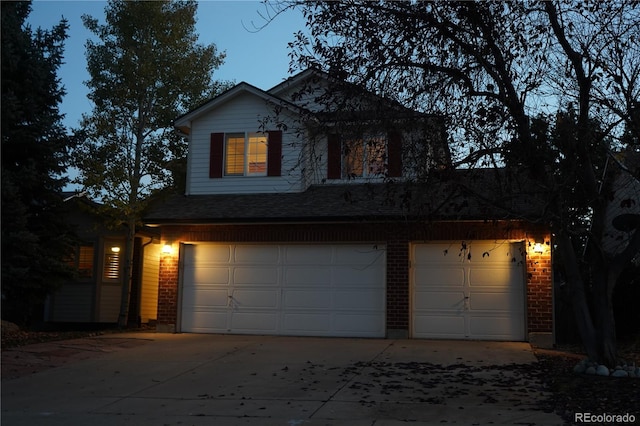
(367,156)
(364,157)
(245,154)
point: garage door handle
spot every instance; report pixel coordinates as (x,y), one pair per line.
(466,303)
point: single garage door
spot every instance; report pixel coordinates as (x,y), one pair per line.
(472,290)
(302,290)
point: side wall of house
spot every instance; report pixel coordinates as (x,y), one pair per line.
(397,239)
(244,113)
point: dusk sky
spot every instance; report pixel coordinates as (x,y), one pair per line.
(257,57)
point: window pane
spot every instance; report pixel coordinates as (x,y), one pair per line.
(234,155)
(85,262)
(376,155)
(257,158)
(353,158)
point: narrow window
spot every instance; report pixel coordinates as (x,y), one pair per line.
(257,154)
(111,262)
(85,262)
(234,156)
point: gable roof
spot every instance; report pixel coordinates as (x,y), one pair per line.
(183,123)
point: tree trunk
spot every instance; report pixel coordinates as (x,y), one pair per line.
(123,317)
(579,301)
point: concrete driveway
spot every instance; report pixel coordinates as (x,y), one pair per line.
(190,379)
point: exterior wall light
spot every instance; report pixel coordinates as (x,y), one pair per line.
(167,249)
(115,249)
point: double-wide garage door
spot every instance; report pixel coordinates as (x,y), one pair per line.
(304,290)
(470,290)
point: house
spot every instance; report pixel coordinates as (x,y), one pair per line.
(94,295)
(298,219)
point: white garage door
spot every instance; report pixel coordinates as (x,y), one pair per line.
(303,290)
(468,291)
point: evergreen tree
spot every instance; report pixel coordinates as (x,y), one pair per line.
(35,240)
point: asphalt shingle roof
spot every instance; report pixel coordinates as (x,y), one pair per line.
(494,198)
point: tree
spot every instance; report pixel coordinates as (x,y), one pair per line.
(36,243)
(543,89)
(146,69)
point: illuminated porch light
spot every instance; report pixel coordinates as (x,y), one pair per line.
(115,249)
(538,247)
(167,249)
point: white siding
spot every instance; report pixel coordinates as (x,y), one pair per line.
(149,290)
(110,302)
(243,113)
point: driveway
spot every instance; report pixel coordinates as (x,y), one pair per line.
(190,379)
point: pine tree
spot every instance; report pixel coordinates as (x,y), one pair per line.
(35,240)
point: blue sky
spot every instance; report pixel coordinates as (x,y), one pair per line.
(257,57)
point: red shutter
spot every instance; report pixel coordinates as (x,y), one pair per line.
(334,157)
(394,153)
(216,155)
(274,153)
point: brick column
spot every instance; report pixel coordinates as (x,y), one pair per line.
(168,292)
(398,288)
(539,293)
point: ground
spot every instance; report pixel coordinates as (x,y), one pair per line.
(571,393)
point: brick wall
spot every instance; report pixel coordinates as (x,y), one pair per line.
(539,287)
(396,237)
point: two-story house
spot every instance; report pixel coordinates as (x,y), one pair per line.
(298,219)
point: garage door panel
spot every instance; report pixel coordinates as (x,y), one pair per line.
(255,299)
(439,325)
(358,300)
(437,276)
(495,301)
(348,324)
(257,254)
(497,277)
(295,299)
(307,255)
(306,323)
(436,252)
(206,297)
(208,275)
(360,256)
(205,255)
(441,300)
(206,321)
(255,322)
(363,277)
(255,275)
(307,276)
(494,327)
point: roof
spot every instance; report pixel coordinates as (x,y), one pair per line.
(439,199)
(183,123)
